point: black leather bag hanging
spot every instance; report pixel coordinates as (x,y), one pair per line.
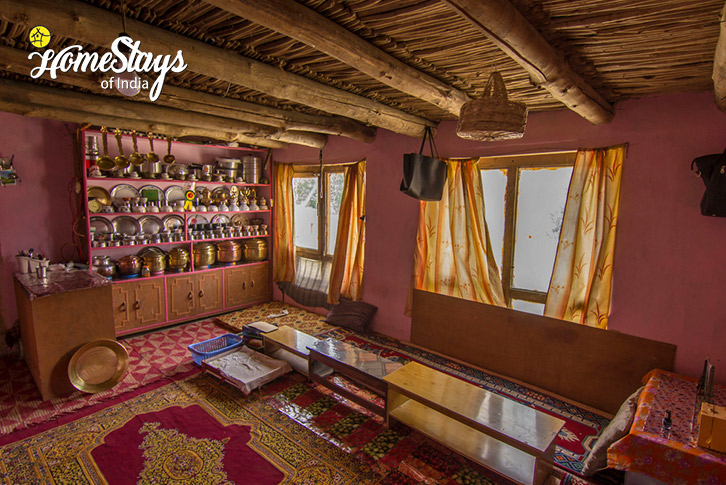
(712,169)
(424,177)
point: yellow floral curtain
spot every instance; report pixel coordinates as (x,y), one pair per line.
(581,282)
(453,249)
(283,255)
(346,273)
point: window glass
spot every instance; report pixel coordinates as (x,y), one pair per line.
(334,197)
(494,183)
(540,206)
(528,306)
(305,193)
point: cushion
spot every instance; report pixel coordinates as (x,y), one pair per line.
(354,315)
(617,429)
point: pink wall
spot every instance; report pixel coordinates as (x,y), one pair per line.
(670,260)
(36,213)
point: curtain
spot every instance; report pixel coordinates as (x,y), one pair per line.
(581,281)
(283,255)
(346,274)
(453,250)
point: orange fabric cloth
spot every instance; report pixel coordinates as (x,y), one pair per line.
(283,251)
(676,459)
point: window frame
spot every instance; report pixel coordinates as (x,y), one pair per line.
(323,253)
(513,165)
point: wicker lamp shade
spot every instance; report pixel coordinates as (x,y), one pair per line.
(493,117)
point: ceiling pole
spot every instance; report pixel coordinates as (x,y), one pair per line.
(516,37)
(82,22)
(16,60)
(719,65)
(301,23)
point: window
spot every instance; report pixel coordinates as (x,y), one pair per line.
(524,200)
(316,221)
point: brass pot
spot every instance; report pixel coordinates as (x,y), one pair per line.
(255,249)
(156,261)
(178,258)
(129,265)
(229,251)
(104,266)
(204,254)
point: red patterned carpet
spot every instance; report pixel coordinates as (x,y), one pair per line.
(152,357)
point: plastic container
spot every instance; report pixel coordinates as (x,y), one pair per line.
(209,348)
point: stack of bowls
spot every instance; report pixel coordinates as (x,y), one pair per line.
(251,169)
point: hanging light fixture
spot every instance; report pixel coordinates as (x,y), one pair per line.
(493,117)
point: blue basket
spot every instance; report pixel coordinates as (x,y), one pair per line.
(209,348)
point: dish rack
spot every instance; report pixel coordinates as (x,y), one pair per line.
(209,348)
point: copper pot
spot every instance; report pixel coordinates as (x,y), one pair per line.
(255,249)
(178,258)
(129,265)
(229,251)
(204,254)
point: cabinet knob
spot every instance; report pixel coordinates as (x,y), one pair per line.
(252,284)
(122,307)
(190,296)
(137,305)
(244,285)
(201,294)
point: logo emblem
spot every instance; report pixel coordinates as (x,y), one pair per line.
(39,36)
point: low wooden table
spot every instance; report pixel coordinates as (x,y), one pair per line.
(284,341)
(509,438)
(364,368)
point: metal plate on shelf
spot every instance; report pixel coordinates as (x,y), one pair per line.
(100,194)
(101,225)
(150,224)
(172,222)
(198,219)
(152,193)
(221,219)
(127,225)
(123,191)
(173,193)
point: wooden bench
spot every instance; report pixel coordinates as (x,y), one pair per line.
(509,438)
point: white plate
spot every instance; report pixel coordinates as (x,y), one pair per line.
(101,225)
(149,188)
(172,222)
(198,219)
(123,191)
(126,225)
(150,224)
(173,193)
(220,219)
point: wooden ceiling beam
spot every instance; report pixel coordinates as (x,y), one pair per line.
(85,23)
(56,103)
(516,37)
(294,20)
(719,65)
(15,60)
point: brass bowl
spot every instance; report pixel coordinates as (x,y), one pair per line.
(229,251)
(255,249)
(129,265)
(178,258)
(204,254)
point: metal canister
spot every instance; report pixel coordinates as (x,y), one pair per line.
(255,249)
(204,254)
(229,251)
(178,259)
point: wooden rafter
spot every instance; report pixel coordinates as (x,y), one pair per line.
(719,65)
(516,37)
(299,22)
(85,23)
(15,60)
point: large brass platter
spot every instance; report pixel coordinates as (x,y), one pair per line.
(98,366)
(100,194)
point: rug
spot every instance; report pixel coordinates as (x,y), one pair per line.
(195,430)
(152,357)
(302,320)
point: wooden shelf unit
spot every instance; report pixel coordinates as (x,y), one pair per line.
(511,439)
(140,304)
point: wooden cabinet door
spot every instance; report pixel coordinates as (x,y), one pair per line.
(235,286)
(209,291)
(148,303)
(180,293)
(259,283)
(121,294)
